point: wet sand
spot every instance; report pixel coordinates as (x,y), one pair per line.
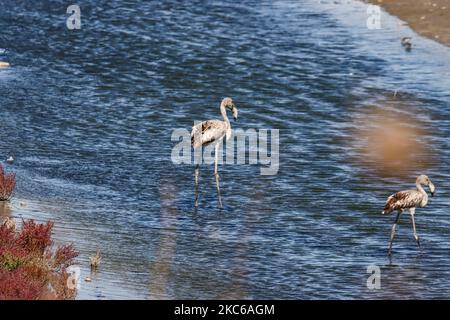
(428,18)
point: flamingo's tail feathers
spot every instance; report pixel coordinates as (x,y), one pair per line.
(391,205)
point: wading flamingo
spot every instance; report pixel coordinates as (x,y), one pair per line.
(408,199)
(213,132)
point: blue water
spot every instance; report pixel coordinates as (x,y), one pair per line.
(88,115)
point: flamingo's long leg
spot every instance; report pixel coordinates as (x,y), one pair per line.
(394,226)
(216,173)
(197,174)
(412,211)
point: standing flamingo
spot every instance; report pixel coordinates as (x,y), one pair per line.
(408,199)
(213,132)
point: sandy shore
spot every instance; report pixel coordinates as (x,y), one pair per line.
(430,18)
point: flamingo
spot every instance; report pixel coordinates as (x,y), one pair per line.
(408,199)
(213,132)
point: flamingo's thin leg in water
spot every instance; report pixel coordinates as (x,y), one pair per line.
(412,211)
(216,173)
(394,226)
(197,174)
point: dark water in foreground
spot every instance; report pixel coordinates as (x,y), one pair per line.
(89,115)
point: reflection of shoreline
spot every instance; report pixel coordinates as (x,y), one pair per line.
(240,270)
(160,270)
(428,18)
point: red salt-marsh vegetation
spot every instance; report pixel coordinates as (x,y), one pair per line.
(7,184)
(31,267)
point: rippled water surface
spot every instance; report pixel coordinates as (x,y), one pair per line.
(89,114)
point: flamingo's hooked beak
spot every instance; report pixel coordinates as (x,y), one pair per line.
(432,189)
(235,112)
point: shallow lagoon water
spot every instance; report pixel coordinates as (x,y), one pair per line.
(88,115)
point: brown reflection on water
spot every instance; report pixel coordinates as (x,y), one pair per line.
(392,141)
(160,270)
(400,282)
(240,270)
(166,248)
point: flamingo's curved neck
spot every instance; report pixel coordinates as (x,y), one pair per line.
(223,111)
(420,188)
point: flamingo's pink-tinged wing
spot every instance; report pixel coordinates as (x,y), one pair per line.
(207,132)
(403,200)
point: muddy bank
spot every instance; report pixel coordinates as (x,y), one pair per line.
(428,18)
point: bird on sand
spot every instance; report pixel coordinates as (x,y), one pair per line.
(408,199)
(213,132)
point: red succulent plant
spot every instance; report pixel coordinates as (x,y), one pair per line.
(7,184)
(31,267)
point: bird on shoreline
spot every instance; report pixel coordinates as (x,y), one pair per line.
(95,261)
(408,199)
(213,132)
(407,43)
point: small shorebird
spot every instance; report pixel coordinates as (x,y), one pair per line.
(407,43)
(408,199)
(213,132)
(95,260)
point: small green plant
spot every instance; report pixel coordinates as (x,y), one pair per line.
(9,261)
